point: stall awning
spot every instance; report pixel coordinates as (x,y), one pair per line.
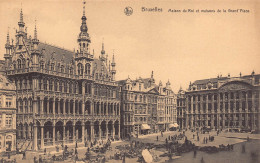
(145,127)
(175,125)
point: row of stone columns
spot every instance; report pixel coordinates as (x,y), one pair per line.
(92,134)
(196,120)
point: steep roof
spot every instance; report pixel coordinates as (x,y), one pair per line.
(213,80)
(5,84)
(57,52)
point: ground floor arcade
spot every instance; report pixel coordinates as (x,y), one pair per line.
(228,120)
(65,132)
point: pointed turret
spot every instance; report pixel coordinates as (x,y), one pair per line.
(21,34)
(168,84)
(35,40)
(21,24)
(8,49)
(113,64)
(35,54)
(160,83)
(102,57)
(7,44)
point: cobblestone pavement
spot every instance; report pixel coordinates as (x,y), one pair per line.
(222,138)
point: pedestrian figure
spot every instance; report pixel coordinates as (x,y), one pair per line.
(194,153)
(123,158)
(24,156)
(198,138)
(206,140)
(169,137)
(40,159)
(193,136)
(243,148)
(157,138)
(202,160)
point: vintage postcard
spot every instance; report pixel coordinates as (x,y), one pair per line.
(129,81)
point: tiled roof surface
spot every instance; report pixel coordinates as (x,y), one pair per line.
(68,57)
(59,52)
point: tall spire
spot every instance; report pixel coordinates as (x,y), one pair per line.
(103,49)
(8,38)
(84,27)
(35,31)
(113,59)
(84,3)
(21,14)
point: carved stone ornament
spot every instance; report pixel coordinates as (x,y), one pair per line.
(235,86)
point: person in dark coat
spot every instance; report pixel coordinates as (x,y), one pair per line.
(157,138)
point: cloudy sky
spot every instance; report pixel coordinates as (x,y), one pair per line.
(181,47)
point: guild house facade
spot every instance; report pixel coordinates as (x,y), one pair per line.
(223,102)
(146,107)
(62,96)
(181,114)
(7,115)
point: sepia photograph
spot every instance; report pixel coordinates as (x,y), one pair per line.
(125,81)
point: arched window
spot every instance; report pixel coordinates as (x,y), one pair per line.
(28,63)
(87,69)
(71,70)
(55,86)
(23,64)
(45,84)
(62,69)
(42,65)
(52,67)
(65,87)
(80,69)
(70,88)
(60,84)
(50,85)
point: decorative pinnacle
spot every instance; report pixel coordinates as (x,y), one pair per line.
(113,59)
(103,49)
(35,31)
(84,2)
(8,38)
(21,14)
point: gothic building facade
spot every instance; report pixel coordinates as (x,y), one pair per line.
(62,96)
(224,102)
(145,106)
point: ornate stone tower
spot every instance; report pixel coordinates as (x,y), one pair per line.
(83,58)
